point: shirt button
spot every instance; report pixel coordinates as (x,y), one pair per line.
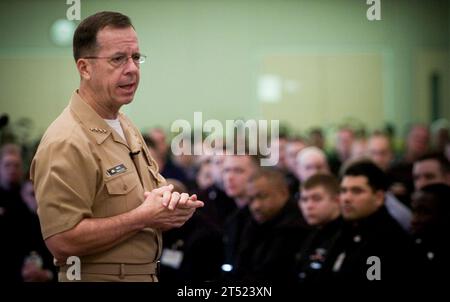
(125,187)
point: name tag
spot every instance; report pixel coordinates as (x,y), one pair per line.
(116,170)
(172,258)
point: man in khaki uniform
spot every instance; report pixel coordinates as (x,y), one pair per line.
(99,193)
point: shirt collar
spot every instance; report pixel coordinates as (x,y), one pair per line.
(89,118)
(98,127)
(134,143)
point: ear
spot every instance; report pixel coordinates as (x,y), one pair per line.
(379,197)
(84,69)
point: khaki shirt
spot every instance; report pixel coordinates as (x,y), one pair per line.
(84,169)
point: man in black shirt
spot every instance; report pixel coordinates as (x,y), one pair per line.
(269,238)
(19,229)
(319,203)
(373,246)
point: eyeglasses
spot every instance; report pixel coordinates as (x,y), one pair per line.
(120,60)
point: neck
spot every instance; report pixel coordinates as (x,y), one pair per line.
(333,217)
(98,105)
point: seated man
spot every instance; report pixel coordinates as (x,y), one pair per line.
(373,246)
(269,238)
(23,249)
(193,252)
(431,228)
(319,203)
(380,151)
(237,169)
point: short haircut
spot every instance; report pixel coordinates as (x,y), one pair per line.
(8,149)
(376,178)
(85,36)
(275,177)
(441,159)
(329,182)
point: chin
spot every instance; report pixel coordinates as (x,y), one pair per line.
(350,217)
(126,100)
(311,221)
(259,219)
(230,192)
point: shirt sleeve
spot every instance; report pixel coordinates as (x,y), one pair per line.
(64,177)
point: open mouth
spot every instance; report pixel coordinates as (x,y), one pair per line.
(128,87)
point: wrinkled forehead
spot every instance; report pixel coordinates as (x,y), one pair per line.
(119,39)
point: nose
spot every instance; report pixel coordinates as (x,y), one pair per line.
(419,183)
(254,205)
(131,66)
(345,197)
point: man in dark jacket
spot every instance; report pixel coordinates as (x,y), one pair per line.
(373,246)
(237,169)
(431,229)
(269,237)
(319,203)
(22,245)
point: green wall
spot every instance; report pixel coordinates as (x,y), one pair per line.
(206,55)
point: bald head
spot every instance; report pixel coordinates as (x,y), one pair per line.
(310,161)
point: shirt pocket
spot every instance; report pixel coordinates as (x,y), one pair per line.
(122,195)
(121,184)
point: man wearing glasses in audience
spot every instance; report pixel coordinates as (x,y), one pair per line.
(100,196)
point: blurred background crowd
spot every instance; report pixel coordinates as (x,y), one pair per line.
(269,223)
